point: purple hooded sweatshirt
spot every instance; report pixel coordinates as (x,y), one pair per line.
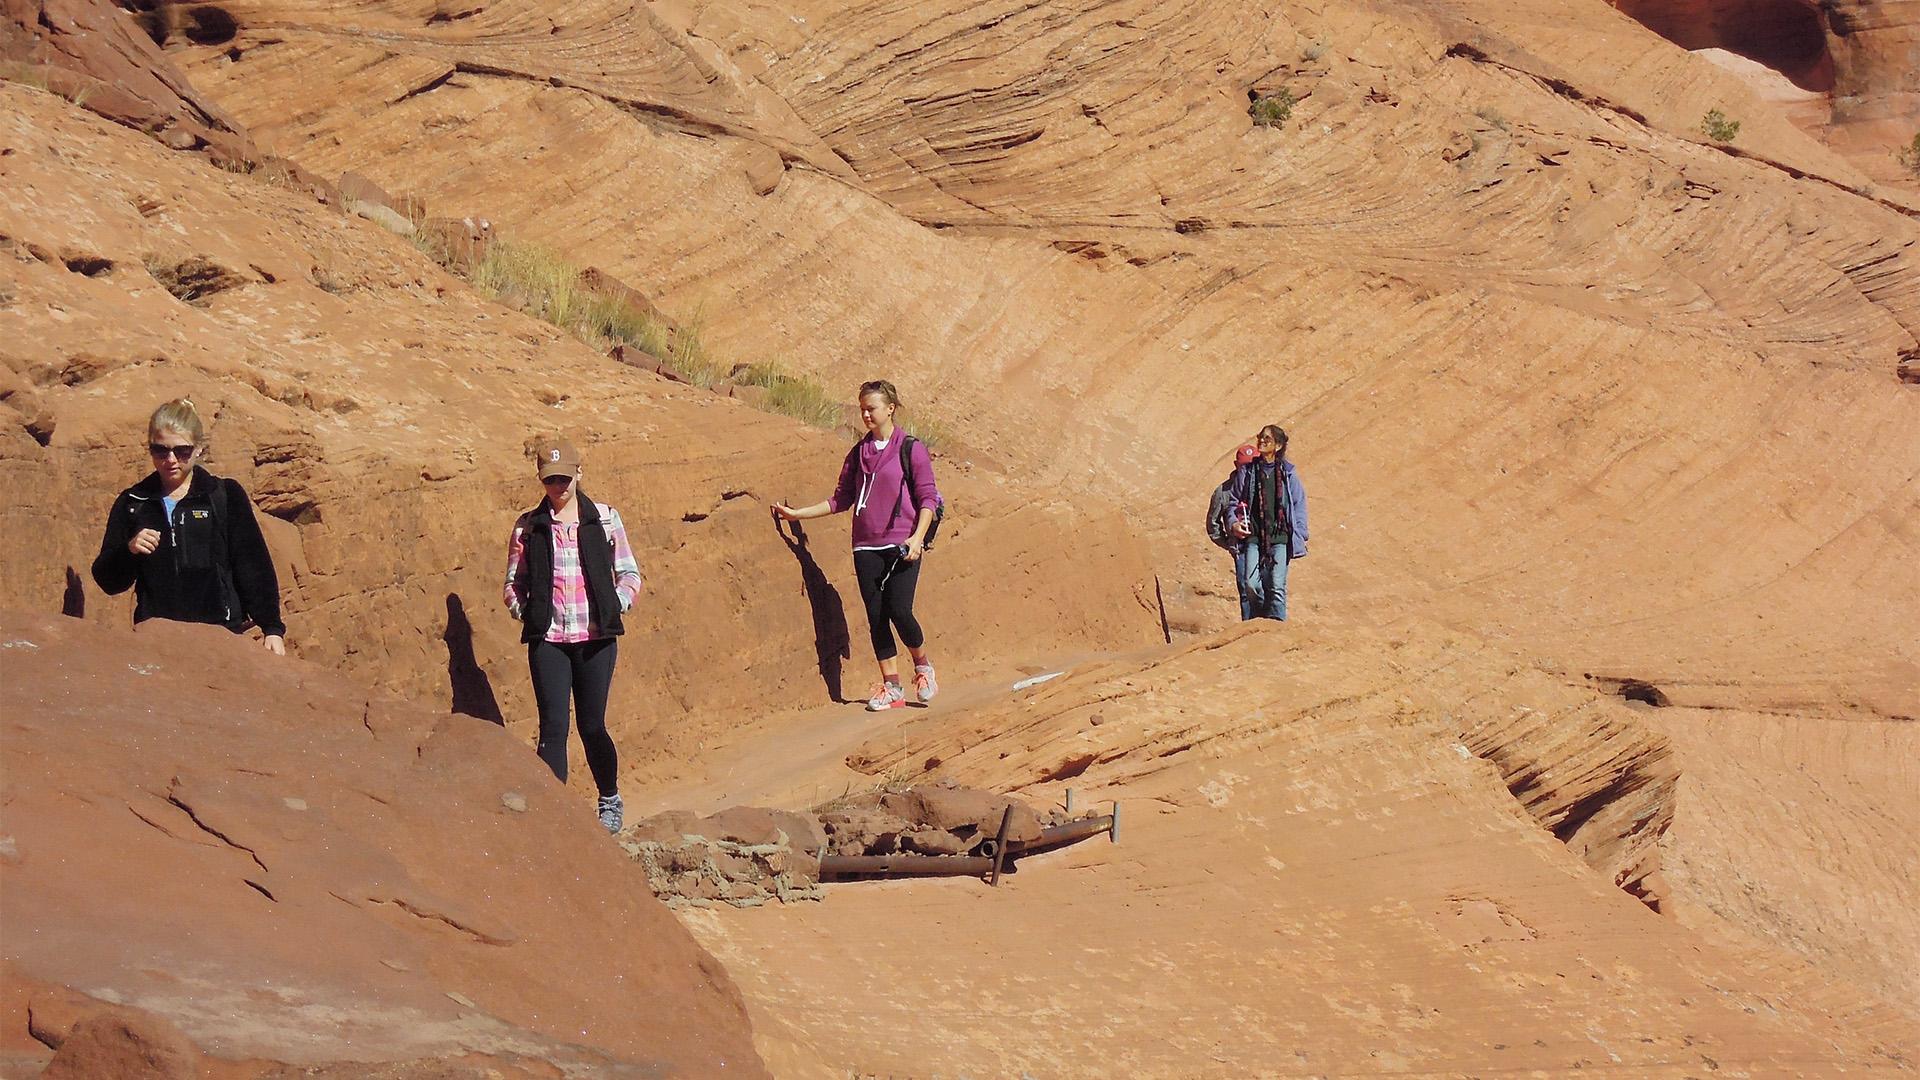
(873,485)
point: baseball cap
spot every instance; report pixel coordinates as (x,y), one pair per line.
(556,457)
(1245,455)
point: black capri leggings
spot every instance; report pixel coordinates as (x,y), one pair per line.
(583,671)
(886,586)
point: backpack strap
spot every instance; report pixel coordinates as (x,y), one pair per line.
(906,470)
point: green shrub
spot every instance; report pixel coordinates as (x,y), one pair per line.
(792,395)
(538,282)
(688,357)
(1909,155)
(1272,110)
(532,279)
(1717,127)
(604,320)
(432,245)
(1491,116)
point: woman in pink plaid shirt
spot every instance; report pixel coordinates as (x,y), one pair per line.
(570,576)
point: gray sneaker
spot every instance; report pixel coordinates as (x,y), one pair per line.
(886,695)
(613,812)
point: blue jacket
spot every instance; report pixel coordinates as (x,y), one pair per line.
(1241,488)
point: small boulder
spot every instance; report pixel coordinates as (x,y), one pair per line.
(863,830)
(459,244)
(355,188)
(762,166)
(971,812)
(665,828)
(755,396)
(124,1044)
(384,216)
(934,842)
(757,825)
(281,172)
(595,280)
(634,356)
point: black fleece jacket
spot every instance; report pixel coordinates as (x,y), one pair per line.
(212,565)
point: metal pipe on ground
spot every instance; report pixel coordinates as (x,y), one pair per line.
(997,852)
(1063,834)
(915,865)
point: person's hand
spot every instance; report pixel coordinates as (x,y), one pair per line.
(144,542)
(914,546)
(1241,529)
(785,512)
(275,644)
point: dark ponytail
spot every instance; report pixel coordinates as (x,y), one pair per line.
(1279,436)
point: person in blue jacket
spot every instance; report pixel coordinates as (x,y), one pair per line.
(1269,517)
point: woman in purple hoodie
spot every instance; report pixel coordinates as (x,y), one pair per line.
(890,526)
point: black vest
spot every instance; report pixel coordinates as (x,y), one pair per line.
(536,574)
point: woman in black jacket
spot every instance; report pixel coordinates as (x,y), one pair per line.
(186,540)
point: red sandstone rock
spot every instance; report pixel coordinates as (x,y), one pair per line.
(457,243)
(124,1044)
(927,841)
(596,280)
(310,874)
(1612,399)
(971,812)
(863,831)
(755,825)
(409,208)
(121,73)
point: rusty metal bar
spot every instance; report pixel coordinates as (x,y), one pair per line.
(1000,845)
(1064,834)
(994,855)
(918,865)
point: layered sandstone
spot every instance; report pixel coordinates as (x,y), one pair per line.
(1319,872)
(1479,226)
(1590,406)
(1860,61)
(290,870)
(379,413)
(90,51)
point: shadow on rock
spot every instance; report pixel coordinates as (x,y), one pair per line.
(73,602)
(830,640)
(472,690)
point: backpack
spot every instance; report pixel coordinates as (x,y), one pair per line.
(906,472)
(1217,508)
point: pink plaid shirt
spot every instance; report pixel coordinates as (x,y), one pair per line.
(570,613)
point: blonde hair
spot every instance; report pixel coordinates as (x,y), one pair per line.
(178,415)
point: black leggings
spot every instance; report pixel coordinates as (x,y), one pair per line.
(583,671)
(886,586)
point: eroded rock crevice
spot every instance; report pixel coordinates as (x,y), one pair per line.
(1789,36)
(1601,783)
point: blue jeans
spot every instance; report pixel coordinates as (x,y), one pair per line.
(1263,582)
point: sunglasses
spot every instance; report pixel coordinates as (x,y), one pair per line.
(180,453)
(564,478)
